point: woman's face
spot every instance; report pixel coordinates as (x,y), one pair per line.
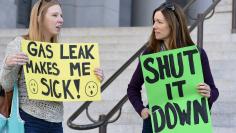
(161,27)
(53,21)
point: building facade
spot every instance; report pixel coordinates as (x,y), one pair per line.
(93,13)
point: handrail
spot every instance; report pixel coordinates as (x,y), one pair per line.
(205,18)
(204,14)
(103,87)
(188,5)
(113,77)
(233,17)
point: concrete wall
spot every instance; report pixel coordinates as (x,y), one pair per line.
(91,13)
(125,12)
(142,11)
(103,13)
(111,13)
(7,14)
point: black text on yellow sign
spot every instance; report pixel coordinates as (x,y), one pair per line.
(62,71)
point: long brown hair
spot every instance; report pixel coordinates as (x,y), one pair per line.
(36,27)
(179,34)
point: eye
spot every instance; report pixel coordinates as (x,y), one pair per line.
(158,21)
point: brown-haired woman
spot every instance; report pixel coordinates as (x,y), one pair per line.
(45,24)
(169,32)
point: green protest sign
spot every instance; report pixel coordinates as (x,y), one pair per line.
(171,78)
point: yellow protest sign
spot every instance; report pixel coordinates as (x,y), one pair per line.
(61,71)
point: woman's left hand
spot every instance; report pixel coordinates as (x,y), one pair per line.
(99,73)
(204,89)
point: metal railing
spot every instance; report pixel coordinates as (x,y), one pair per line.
(233,16)
(199,22)
(104,119)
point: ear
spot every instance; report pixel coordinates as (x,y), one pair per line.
(38,18)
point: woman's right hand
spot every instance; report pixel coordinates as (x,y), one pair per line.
(145,113)
(19,58)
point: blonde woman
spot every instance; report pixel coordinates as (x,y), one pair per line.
(46,21)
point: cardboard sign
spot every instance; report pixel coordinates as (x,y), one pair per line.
(61,71)
(171,78)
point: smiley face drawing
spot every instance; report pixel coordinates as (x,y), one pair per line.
(91,89)
(33,86)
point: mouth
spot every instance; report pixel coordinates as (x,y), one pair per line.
(58,27)
(157,32)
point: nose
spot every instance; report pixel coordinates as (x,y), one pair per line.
(154,25)
(60,20)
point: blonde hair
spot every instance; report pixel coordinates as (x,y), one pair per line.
(36,27)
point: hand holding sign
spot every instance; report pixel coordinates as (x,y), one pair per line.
(99,73)
(19,58)
(145,113)
(204,89)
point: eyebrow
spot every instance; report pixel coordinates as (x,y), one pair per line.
(55,12)
(157,19)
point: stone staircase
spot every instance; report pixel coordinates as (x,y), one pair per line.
(118,44)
